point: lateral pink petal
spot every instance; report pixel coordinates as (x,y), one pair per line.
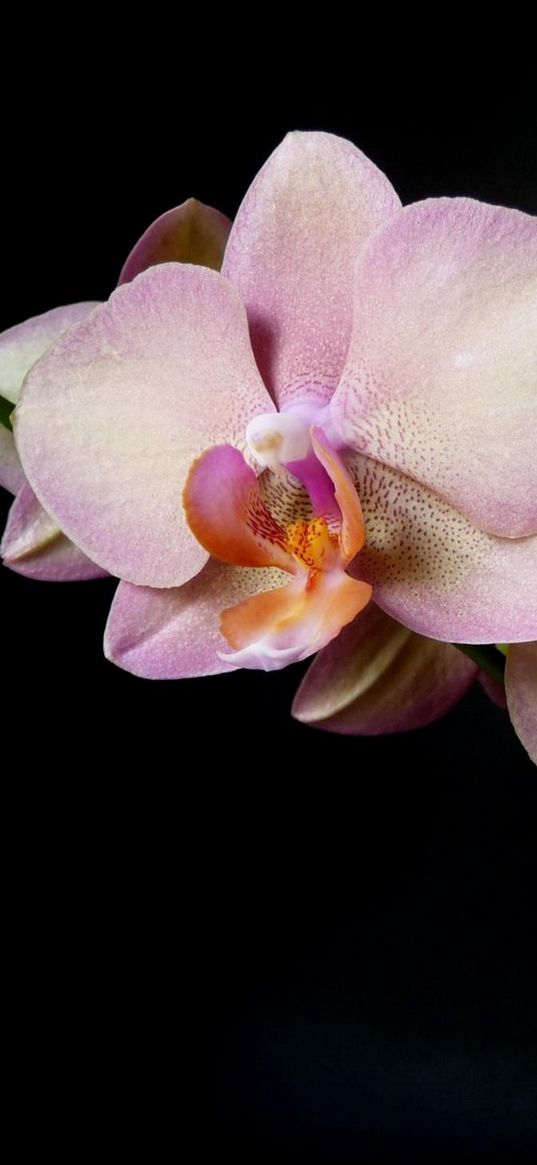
(292,252)
(190,233)
(131,397)
(173,634)
(11,471)
(379,677)
(34,546)
(431,569)
(441,376)
(23,344)
(521,692)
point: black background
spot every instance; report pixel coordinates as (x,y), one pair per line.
(227,927)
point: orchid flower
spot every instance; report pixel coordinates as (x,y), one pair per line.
(347,410)
(33,544)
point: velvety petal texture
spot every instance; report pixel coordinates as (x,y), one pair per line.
(22,345)
(292,252)
(433,571)
(132,396)
(441,377)
(521,692)
(34,546)
(379,677)
(174,634)
(190,233)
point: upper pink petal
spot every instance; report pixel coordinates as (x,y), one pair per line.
(11,471)
(441,377)
(434,571)
(190,233)
(23,344)
(379,677)
(292,252)
(34,546)
(175,633)
(521,692)
(132,396)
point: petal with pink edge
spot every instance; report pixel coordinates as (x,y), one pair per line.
(22,345)
(132,396)
(521,692)
(378,677)
(11,471)
(190,233)
(434,572)
(441,376)
(292,252)
(34,546)
(174,634)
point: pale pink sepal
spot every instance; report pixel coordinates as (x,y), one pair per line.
(377,677)
(33,545)
(292,252)
(441,376)
(190,233)
(521,692)
(23,344)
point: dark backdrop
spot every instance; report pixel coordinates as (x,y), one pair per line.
(294,947)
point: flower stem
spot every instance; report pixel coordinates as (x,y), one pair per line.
(488,658)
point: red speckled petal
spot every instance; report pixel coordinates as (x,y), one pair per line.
(441,376)
(434,572)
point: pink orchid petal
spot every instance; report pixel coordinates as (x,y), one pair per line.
(173,634)
(227,513)
(434,572)
(132,396)
(521,692)
(441,376)
(292,252)
(34,546)
(11,471)
(190,233)
(22,345)
(378,677)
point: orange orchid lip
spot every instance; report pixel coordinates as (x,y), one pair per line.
(228,514)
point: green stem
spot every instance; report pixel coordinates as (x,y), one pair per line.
(487,657)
